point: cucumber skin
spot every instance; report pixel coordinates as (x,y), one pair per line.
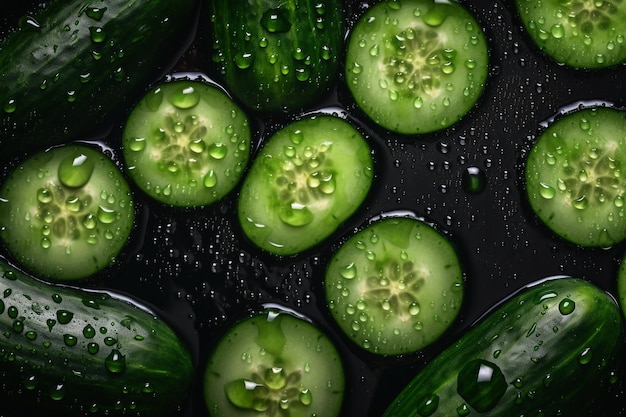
(141,37)
(33,368)
(234,28)
(520,329)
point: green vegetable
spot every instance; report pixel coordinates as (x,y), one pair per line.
(578,33)
(309,177)
(66,213)
(277,55)
(416,66)
(395,286)
(186,143)
(554,348)
(274,364)
(69,73)
(575,180)
(74,352)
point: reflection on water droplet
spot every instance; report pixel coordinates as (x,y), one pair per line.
(567,306)
(276,20)
(474,180)
(481,384)
(115,362)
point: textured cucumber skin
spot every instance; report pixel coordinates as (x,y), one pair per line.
(271,84)
(39,359)
(538,350)
(57,84)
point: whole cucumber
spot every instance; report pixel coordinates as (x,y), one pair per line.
(74,352)
(73,67)
(549,350)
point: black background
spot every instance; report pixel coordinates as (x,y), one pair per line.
(199,271)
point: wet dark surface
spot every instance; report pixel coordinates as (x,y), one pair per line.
(197,268)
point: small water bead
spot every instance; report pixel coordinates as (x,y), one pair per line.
(58,392)
(64,316)
(276,20)
(567,306)
(44,195)
(546,191)
(95,13)
(305,397)
(98,35)
(244,60)
(585,356)
(210,180)
(428,406)
(581,203)
(70,340)
(115,362)
(106,215)
(349,271)
(9,106)
(474,180)
(89,332)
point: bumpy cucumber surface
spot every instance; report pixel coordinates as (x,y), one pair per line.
(68,73)
(549,350)
(277,55)
(74,352)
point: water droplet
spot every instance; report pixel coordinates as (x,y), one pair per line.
(276,20)
(474,180)
(210,179)
(349,271)
(64,316)
(89,332)
(567,306)
(296,214)
(70,340)
(546,191)
(115,362)
(585,356)
(96,13)
(185,98)
(481,384)
(218,150)
(428,406)
(9,106)
(74,171)
(97,34)
(106,215)
(58,392)
(244,60)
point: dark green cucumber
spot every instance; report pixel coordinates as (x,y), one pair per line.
(277,55)
(74,352)
(549,350)
(67,74)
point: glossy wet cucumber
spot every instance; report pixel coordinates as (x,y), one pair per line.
(66,213)
(416,66)
(275,364)
(309,178)
(186,143)
(71,69)
(395,287)
(74,352)
(578,33)
(277,55)
(554,348)
(575,179)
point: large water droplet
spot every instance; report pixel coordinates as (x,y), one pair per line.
(115,362)
(481,384)
(75,170)
(276,20)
